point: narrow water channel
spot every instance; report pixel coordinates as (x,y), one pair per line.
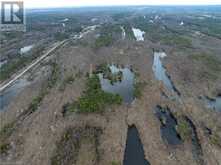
(125,87)
(196,146)
(160,72)
(168,126)
(134,153)
(11,92)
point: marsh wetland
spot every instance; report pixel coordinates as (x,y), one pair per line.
(135,85)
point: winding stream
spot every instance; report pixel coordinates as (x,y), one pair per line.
(160,72)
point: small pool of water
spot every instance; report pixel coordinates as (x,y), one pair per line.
(134,153)
(160,72)
(214,104)
(125,87)
(168,126)
(11,92)
(138,34)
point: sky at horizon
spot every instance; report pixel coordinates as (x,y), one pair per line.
(79,3)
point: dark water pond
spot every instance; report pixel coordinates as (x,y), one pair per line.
(134,153)
(125,87)
(168,126)
(11,92)
(160,72)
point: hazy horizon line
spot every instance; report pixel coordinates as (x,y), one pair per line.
(144,5)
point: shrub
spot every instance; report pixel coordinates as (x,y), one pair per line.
(4,148)
(54,75)
(69,79)
(8,69)
(103,68)
(6,131)
(19,62)
(108,34)
(179,41)
(36,101)
(60,36)
(215,139)
(211,66)
(107,74)
(94,98)
(138,87)
(115,163)
(52,80)
(68,147)
(103,40)
(183,128)
(128,30)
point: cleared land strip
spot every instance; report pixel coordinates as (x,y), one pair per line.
(4,85)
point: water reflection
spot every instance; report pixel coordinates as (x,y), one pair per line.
(125,87)
(168,126)
(160,72)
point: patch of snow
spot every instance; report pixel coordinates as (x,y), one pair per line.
(181,23)
(157,17)
(207,16)
(65,20)
(138,34)
(123,32)
(26,49)
(94,19)
(201,18)
(151,21)
(161,54)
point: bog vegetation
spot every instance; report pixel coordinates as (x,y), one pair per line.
(94,99)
